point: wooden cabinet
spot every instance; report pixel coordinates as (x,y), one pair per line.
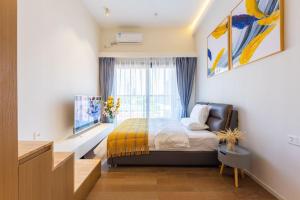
(44,175)
(35,170)
(63,176)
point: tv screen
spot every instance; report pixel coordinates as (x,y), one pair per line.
(87,112)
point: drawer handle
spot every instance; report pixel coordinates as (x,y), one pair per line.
(222,152)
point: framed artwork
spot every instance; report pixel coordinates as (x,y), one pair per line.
(218,49)
(256,30)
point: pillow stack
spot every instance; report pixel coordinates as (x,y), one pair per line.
(198,118)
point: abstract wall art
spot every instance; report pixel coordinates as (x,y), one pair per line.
(256,30)
(218,49)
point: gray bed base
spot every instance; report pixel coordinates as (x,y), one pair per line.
(168,158)
(221,117)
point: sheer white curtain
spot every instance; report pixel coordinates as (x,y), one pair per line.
(164,97)
(130,85)
(147,88)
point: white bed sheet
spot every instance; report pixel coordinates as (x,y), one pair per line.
(198,140)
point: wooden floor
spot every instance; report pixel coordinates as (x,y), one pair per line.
(167,183)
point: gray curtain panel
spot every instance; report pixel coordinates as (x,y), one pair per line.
(185,71)
(107,70)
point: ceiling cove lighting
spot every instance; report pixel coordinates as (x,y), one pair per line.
(200,14)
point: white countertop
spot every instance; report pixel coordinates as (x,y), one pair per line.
(82,143)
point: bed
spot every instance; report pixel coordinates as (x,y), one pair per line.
(202,144)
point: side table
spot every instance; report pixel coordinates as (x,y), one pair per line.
(237,159)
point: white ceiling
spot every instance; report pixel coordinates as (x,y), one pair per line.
(140,13)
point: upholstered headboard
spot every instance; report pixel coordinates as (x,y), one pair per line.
(221,117)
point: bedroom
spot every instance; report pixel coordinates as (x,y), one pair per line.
(157,57)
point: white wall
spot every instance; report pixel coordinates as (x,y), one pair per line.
(157,42)
(58,45)
(267,95)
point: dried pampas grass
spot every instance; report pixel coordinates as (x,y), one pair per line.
(231,137)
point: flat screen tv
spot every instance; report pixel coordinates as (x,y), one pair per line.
(87,112)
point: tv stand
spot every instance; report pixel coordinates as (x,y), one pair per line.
(82,143)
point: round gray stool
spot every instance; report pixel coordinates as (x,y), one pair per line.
(237,159)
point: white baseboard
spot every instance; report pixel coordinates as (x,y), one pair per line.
(265,186)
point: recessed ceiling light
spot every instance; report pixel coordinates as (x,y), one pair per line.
(106,11)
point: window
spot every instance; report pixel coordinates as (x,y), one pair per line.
(147,88)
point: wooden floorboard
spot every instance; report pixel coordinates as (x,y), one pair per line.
(172,183)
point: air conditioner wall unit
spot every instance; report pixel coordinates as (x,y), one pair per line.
(129,38)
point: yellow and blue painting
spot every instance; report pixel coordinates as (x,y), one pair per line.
(256,30)
(217,50)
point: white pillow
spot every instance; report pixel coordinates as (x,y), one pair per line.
(192,125)
(200,113)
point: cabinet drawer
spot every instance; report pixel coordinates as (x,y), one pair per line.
(35,178)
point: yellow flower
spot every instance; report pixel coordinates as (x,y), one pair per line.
(118,104)
(110,102)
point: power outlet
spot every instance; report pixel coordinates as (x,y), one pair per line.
(36,135)
(294,140)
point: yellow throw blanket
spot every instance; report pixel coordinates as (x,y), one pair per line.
(129,138)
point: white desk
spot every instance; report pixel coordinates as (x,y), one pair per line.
(82,143)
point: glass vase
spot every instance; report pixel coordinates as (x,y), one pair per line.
(110,120)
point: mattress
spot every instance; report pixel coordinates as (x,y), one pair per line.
(202,141)
(198,140)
